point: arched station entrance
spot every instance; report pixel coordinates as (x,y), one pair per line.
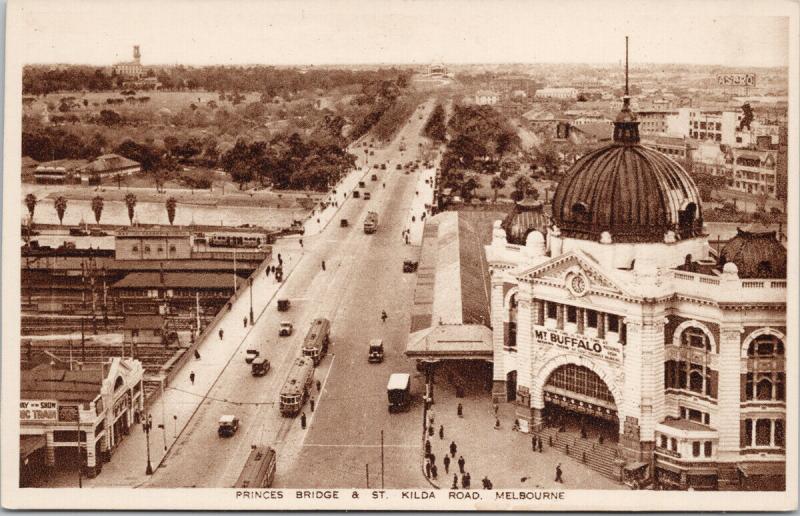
(576,399)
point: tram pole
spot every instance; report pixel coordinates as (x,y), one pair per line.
(381,459)
(367,465)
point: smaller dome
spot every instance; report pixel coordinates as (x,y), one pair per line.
(527,215)
(757,254)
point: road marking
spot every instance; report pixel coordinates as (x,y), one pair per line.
(319,400)
(361,445)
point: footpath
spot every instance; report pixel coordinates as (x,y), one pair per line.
(502,455)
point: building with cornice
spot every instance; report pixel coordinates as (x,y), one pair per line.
(622,318)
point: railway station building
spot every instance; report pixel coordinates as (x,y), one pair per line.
(620,319)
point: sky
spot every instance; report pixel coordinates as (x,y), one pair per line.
(201,32)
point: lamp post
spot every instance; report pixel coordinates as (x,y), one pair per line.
(147,424)
(251,300)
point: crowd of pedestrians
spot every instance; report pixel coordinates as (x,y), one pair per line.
(461,478)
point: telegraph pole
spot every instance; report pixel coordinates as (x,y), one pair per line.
(367,465)
(251,299)
(381,459)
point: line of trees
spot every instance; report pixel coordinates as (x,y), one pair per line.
(436,128)
(287,162)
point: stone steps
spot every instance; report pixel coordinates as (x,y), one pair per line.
(600,458)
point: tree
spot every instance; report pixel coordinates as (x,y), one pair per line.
(130,202)
(496,184)
(110,117)
(435,127)
(522,187)
(172,204)
(61,208)
(97,208)
(468,187)
(30,202)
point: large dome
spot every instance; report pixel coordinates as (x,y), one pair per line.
(634,193)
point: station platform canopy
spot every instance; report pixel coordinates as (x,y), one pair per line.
(450,316)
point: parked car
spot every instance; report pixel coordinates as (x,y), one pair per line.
(374,177)
(250,355)
(285,329)
(228,425)
(343,223)
(283,305)
(367,196)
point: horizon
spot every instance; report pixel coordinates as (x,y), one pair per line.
(352,33)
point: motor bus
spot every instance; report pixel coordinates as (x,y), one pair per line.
(315,345)
(371,222)
(259,470)
(296,389)
(399,392)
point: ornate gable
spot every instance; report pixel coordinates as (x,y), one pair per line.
(575,271)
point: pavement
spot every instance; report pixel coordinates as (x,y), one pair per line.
(481,445)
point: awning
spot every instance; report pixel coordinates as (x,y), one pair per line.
(634,466)
(763,469)
(29,444)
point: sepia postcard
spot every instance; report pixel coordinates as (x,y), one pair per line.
(400,255)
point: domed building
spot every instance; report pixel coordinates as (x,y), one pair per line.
(619,331)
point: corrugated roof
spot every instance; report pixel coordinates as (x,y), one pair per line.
(138,322)
(109,163)
(45,382)
(204,280)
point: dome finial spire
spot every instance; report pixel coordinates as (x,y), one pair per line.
(626,127)
(627,93)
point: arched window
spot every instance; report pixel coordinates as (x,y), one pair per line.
(119,383)
(765,379)
(690,370)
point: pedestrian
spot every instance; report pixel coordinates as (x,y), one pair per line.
(432,458)
(301,242)
(384,316)
(427,447)
(467,479)
(461,463)
(533,443)
(430,431)
(455,482)
(413,218)
(319,386)
(434,471)
(191,377)
(558,474)
(303,420)
(221,333)
(497,424)
(312,403)
(446,462)
(428,469)
(515,426)
(496,407)
(323,265)
(244,321)
(487,484)
(196,354)
(541,450)
(431,417)
(460,410)
(464,481)
(441,431)
(453,448)
(280,260)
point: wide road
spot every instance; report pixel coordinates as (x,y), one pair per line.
(363,276)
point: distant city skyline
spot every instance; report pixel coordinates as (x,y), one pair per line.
(348,32)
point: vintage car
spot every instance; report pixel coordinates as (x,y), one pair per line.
(228,425)
(343,223)
(283,305)
(260,366)
(410,266)
(285,329)
(375,353)
(250,355)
